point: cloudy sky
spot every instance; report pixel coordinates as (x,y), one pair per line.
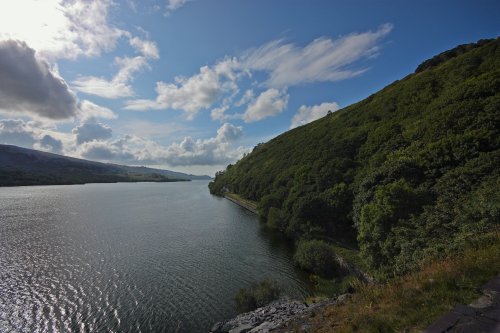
(191,85)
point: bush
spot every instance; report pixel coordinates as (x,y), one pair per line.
(317,257)
(265,204)
(275,219)
(257,295)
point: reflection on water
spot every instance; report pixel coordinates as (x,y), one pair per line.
(141,257)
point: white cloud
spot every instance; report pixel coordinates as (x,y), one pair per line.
(219,113)
(188,94)
(174,5)
(285,65)
(93,141)
(228,133)
(59,28)
(146,47)
(128,67)
(131,149)
(101,87)
(72,28)
(267,104)
(106,152)
(88,110)
(30,86)
(118,86)
(30,134)
(306,114)
(323,59)
(247,97)
(91,131)
(212,151)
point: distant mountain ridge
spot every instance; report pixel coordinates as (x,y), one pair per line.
(23,166)
(167,173)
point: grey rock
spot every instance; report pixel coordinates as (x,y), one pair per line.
(218,328)
(242,329)
(265,327)
(343,298)
(270,317)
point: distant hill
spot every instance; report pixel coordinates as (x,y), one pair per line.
(166,173)
(21,166)
(410,172)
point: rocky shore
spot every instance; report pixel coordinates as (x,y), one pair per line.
(272,316)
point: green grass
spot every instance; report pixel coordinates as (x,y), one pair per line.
(249,203)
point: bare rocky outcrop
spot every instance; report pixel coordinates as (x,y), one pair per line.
(272,316)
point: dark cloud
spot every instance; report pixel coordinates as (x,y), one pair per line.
(17,132)
(50,143)
(92,131)
(27,84)
(29,135)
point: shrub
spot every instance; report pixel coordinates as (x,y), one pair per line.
(317,257)
(265,204)
(382,222)
(275,219)
(257,295)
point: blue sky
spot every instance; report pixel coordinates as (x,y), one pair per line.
(193,85)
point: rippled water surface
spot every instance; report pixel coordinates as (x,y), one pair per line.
(161,257)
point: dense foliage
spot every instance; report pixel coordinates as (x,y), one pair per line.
(317,257)
(257,295)
(406,174)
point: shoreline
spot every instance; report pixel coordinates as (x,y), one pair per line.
(89,183)
(242,204)
(274,316)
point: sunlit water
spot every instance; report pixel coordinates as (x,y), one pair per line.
(161,257)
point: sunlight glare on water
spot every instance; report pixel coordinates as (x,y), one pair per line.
(130,258)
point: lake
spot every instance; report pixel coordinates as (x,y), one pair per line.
(130,257)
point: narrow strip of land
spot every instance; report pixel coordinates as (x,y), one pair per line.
(245,203)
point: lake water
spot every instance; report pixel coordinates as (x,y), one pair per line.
(160,257)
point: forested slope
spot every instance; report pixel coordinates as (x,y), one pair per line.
(407,173)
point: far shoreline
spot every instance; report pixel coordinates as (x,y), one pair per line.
(89,183)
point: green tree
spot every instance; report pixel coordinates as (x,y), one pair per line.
(393,203)
(317,257)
